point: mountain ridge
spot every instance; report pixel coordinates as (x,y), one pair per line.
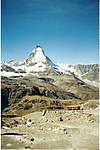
(37,61)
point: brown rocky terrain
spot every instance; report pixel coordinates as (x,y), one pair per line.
(53,86)
(58,129)
(34,114)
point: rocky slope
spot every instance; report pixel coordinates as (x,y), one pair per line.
(38,75)
(54,86)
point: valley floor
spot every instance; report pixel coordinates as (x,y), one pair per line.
(58,129)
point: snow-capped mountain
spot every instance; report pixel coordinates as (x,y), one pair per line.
(37,61)
(37,56)
(84,72)
(14,63)
(6,67)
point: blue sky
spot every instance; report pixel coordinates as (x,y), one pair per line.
(66,29)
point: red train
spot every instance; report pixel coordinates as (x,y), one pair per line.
(72,108)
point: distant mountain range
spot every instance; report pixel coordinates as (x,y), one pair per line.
(37,61)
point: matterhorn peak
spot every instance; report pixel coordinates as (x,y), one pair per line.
(36,56)
(35,62)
